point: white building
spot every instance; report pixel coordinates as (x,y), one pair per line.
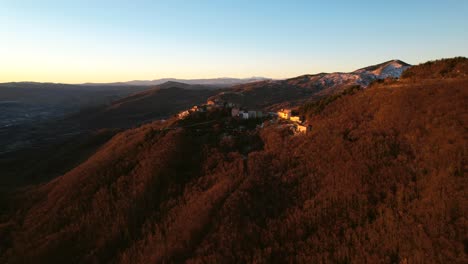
(284,113)
(183,114)
(252,114)
(301,129)
(235,112)
(295,119)
(244,115)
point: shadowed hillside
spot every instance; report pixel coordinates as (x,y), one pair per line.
(380,179)
(33,153)
(48,159)
(28,103)
(158,103)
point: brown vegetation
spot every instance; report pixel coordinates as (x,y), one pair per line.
(45,162)
(380,179)
(444,68)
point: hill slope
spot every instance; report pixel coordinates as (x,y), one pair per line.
(444,68)
(32,153)
(159,102)
(379,179)
(294,91)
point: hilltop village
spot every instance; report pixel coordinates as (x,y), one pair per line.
(284,117)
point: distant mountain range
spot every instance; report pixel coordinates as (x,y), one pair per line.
(363,76)
(217,82)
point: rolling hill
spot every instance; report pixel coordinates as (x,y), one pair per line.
(159,102)
(294,91)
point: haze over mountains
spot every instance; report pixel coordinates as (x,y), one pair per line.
(380,178)
(26,102)
(216,82)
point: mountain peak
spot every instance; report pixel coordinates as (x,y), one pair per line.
(400,62)
(392,68)
(394,63)
(176,84)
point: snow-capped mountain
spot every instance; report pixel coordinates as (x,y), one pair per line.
(389,69)
(362,77)
(264,94)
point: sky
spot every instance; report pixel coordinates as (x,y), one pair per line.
(107,41)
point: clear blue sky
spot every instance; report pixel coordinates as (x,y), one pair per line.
(103,41)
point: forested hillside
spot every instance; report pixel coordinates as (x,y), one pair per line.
(379,179)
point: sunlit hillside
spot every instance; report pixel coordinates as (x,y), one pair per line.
(380,178)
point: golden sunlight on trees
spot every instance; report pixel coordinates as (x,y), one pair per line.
(380,179)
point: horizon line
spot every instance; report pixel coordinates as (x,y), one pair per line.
(192,79)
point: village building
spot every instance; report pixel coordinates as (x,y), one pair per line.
(252,114)
(284,113)
(220,103)
(295,119)
(235,112)
(183,114)
(301,129)
(215,103)
(244,115)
